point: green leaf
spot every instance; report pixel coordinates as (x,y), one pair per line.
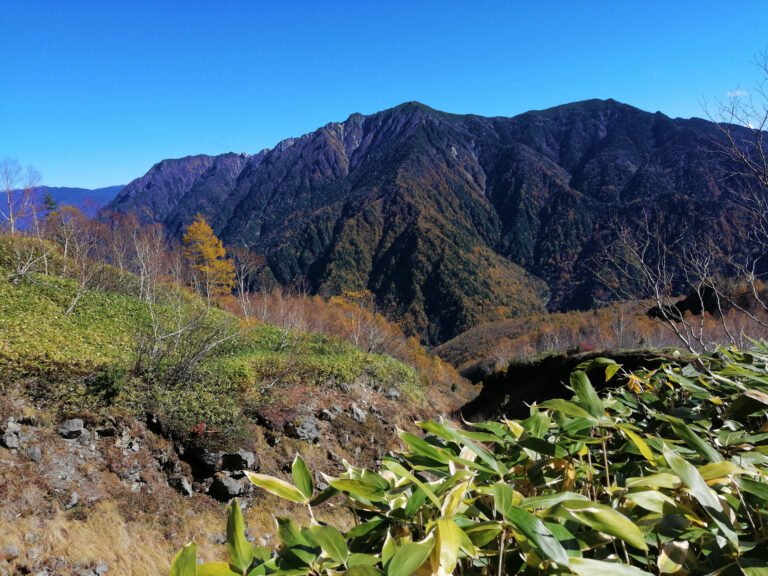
(331,541)
(302,477)
(549,500)
(529,526)
(401,471)
(262,554)
(359,559)
(587,395)
(359,489)
(638,441)
(296,545)
(604,519)
(660,480)
(720,470)
(698,487)
(448,540)
(240,550)
(323,496)
(410,557)
(611,367)
(389,548)
(290,534)
(697,443)
(654,501)
(452,435)
(753,566)
(566,407)
(672,557)
(185,562)
(759,489)
(454,499)
(366,527)
(277,487)
(505,497)
(566,538)
(363,570)
(423,448)
(482,533)
(216,569)
(415,501)
(586,567)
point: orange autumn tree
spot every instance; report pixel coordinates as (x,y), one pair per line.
(213,272)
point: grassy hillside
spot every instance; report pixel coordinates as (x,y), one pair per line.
(85,361)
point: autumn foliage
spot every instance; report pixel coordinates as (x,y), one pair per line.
(350,316)
(214,273)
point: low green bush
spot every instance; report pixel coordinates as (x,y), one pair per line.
(666,473)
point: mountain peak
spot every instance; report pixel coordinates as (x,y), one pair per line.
(413,105)
(594,104)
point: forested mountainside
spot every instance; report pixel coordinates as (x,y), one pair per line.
(450,220)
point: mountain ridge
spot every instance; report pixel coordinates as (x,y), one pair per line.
(449,219)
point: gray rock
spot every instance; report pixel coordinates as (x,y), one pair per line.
(101,568)
(308,429)
(357,413)
(327,415)
(10,552)
(34,453)
(85,437)
(224,488)
(73,500)
(182,485)
(71,429)
(205,463)
(11,440)
(13,426)
(240,460)
(56,564)
(392,394)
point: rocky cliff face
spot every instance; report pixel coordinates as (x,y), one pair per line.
(450,220)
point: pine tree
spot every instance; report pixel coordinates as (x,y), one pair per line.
(214,272)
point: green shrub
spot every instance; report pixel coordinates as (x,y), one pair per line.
(667,473)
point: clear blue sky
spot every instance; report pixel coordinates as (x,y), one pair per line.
(94,93)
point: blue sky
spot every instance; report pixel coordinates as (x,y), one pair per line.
(94,93)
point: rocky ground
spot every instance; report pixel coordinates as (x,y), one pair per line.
(88,494)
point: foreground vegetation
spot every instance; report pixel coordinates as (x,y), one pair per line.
(666,473)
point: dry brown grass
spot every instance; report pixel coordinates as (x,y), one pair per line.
(139,548)
(130,548)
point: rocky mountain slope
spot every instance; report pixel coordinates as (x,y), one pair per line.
(449,220)
(109,468)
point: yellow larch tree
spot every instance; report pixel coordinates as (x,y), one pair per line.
(214,272)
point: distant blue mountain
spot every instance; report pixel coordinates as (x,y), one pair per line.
(87,200)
